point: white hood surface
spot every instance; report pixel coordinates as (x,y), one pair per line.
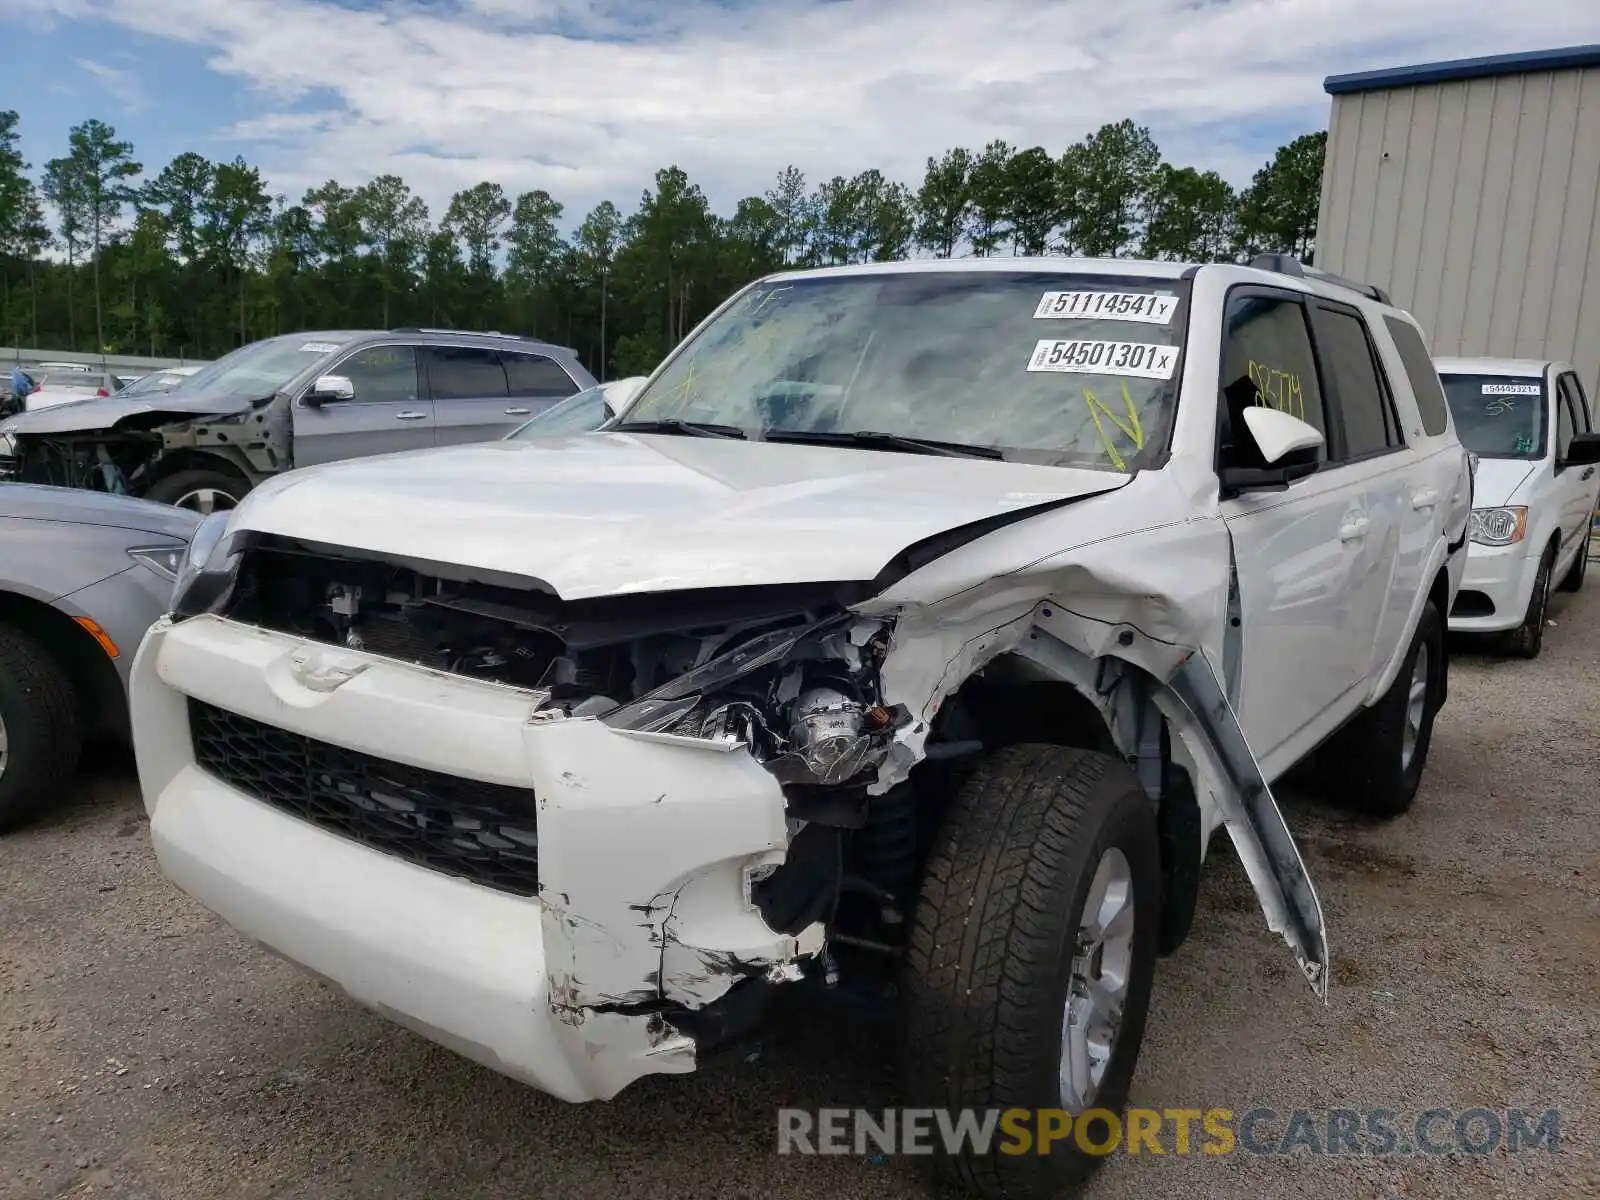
(1498,480)
(608,513)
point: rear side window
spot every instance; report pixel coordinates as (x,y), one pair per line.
(1361,394)
(1266,359)
(1420,371)
(534,375)
(465,373)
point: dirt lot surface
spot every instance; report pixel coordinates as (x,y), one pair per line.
(147,1051)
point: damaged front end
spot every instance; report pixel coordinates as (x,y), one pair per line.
(126,455)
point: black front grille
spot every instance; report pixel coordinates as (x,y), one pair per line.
(484,832)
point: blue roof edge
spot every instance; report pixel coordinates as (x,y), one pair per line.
(1567,58)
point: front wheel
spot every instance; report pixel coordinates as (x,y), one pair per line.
(202,490)
(1527,639)
(1031,958)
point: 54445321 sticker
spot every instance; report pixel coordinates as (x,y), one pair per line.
(1145,307)
(1088,356)
(1511,389)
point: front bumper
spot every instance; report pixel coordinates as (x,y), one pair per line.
(644,843)
(1495,588)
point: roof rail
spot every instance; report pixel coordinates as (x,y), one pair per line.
(1288,264)
(462,332)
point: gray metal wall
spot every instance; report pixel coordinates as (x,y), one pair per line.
(1474,204)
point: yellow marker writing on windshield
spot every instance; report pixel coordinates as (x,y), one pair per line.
(1132,428)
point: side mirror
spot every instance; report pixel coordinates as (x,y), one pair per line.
(328,388)
(1285,443)
(620,393)
(1583,450)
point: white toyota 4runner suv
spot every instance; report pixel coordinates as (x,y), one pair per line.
(909,635)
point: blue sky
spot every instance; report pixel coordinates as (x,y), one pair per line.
(587,97)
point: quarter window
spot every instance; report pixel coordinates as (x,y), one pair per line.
(534,375)
(1424,376)
(1361,395)
(465,373)
(1266,360)
(382,374)
(1582,418)
(1564,428)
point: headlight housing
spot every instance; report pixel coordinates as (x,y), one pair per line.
(804,699)
(206,574)
(1499,526)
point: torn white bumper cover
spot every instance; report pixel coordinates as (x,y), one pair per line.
(643,848)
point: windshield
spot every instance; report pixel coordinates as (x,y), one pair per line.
(1498,416)
(575,414)
(261,368)
(1065,369)
(160,381)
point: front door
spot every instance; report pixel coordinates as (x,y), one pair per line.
(1576,486)
(385,414)
(1299,552)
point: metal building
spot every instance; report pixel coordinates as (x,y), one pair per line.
(1470,192)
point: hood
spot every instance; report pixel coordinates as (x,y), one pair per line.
(37,502)
(607,513)
(1498,479)
(104,412)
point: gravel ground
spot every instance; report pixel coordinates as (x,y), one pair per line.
(147,1051)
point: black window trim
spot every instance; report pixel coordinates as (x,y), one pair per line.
(349,352)
(1286,295)
(426,361)
(1391,416)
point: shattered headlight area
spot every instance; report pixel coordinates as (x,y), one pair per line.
(788,673)
(806,702)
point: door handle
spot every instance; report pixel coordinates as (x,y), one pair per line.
(1354,529)
(409,416)
(1588,473)
(517,412)
(1426,498)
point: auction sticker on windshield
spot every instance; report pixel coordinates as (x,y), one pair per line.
(1121,306)
(1511,389)
(319,347)
(1085,356)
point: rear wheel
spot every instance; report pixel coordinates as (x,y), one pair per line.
(1374,764)
(1527,639)
(202,490)
(39,736)
(1031,958)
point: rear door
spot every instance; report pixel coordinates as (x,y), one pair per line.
(470,394)
(1401,514)
(536,383)
(386,414)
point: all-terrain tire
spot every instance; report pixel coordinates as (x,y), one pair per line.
(202,489)
(1364,766)
(989,962)
(1572,581)
(1527,639)
(39,709)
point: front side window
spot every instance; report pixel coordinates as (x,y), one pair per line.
(1064,369)
(382,374)
(537,377)
(576,414)
(465,373)
(1266,360)
(1499,416)
(1366,418)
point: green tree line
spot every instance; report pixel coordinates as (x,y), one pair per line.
(98,251)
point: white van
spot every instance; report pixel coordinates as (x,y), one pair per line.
(1533,500)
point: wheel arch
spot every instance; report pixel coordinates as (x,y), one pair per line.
(198,459)
(102,703)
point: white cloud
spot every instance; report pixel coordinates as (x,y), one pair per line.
(123,86)
(524,91)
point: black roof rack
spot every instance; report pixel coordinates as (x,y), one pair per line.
(1288,264)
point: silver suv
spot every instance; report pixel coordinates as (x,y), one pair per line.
(292,401)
